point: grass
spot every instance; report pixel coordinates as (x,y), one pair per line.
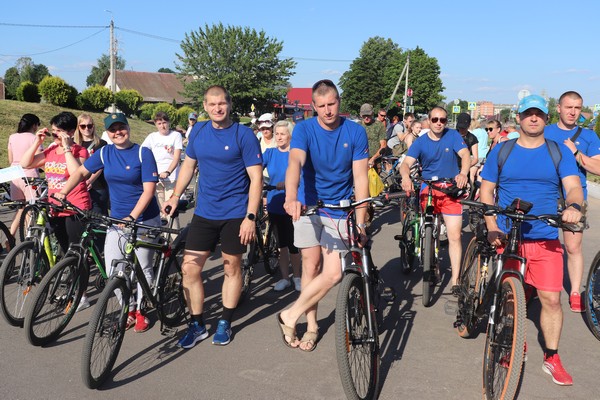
(11,112)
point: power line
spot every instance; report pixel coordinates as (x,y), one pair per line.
(60,48)
(148,35)
(319,59)
(54,26)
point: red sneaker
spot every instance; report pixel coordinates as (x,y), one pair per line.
(142,323)
(130,320)
(553,366)
(575,302)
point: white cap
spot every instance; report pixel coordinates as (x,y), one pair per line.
(265,120)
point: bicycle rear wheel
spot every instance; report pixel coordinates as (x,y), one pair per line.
(105,333)
(468,281)
(357,351)
(28,216)
(427,255)
(505,342)
(171,303)
(55,302)
(7,241)
(407,243)
(271,256)
(248,262)
(592,297)
(21,272)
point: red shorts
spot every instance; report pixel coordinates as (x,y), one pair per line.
(544,268)
(442,203)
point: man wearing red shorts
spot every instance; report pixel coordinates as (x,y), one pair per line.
(529,173)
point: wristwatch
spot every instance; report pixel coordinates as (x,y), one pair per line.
(575,206)
(67,148)
(251,216)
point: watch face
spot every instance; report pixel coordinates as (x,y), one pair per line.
(251,216)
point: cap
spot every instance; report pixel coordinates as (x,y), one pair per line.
(463,121)
(113,118)
(366,109)
(265,120)
(533,101)
(193,116)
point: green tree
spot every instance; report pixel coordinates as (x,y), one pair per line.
(34,73)
(597,127)
(167,108)
(55,90)
(128,101)
(99,71)
(246,62)
(463,104)
(552,113)
(95,98)
(28,91)
(12,80)
(166,70)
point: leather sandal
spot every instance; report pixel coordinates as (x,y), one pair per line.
(287,331)
(310,338)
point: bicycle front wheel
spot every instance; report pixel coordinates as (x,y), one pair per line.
(171,303)
(247,266)
(28,216)
(505,343)
(357,349)
(468,281)
(105,333)
(428,265)
(55,302)
(21,272)
(407,243)
(271,256)
(592,297)
(7,241)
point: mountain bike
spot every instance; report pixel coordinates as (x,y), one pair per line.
(592,297)
(487,288)
(30,210)
(358,302)
(107,325)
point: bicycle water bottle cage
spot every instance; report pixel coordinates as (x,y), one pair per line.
(520,206)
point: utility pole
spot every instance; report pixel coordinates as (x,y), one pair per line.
(404,70)
(406,82)
(113,72)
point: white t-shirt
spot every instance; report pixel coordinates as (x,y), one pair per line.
(163,147)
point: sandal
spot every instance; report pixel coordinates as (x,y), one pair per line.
(287,331)
(309,338)
(130,320)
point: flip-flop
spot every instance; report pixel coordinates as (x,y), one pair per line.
(309,337)
(287,331)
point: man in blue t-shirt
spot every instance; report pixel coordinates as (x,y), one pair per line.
(332,153)
(586,149)
(229,164)
(529,173)
(438,152)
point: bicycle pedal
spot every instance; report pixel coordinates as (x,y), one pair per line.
(451,307)
(169,332)
(398,237)
(388,294)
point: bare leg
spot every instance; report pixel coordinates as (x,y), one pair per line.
(232,283)
(453,230)
(193,289)
(574,258)
(551,318)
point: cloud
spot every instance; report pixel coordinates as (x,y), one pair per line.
(594,78)
(331,72)
(571,71)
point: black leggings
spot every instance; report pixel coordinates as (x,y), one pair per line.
(67,230)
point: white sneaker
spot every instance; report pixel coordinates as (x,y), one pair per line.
(297,284)
(282,285)
(83,304)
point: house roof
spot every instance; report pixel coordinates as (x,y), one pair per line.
(303,95)
(153,86)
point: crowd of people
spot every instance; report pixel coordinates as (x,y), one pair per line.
(322,158)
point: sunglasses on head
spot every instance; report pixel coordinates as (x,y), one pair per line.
(88,126)
(436,119)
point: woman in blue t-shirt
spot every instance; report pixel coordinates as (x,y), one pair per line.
(131,175)
(275,160)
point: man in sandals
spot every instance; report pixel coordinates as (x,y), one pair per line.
(332,153)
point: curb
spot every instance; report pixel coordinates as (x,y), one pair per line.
(593,189)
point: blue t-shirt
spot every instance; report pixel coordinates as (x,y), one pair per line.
(483,142)
(438,158)
(587,143)
(529,174)
(327,172)
(223,156)
(125,176)
(276,163)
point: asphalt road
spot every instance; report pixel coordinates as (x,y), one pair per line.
(422,356)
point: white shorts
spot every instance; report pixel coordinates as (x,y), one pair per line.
(315,230)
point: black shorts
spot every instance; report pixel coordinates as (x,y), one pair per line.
(204,234)
(284,229)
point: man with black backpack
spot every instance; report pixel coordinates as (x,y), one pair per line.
(585,145)
(534,170)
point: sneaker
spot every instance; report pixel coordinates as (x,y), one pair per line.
(282,284)
(553,366)
(142,323)
(575,302)
(130,320)
(83,304)
(297,284)
(194,334)
(223,334)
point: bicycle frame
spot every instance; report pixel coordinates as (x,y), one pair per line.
(42,225)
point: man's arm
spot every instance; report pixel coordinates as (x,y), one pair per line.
(486,195)
(296,161)
(361,186)
(247,228)
(590,164)
(465,163)
(574,194)
(186,172)
(407,184)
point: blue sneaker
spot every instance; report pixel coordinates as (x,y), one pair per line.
(223,334)
(194,334)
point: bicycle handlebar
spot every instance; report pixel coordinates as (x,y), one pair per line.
(347,205)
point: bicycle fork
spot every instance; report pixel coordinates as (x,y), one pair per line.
(359,265)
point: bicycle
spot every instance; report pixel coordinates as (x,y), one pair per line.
(592,297)
(486,288)
(30,210)
(107,325)
(26,264)
(60,291)
(357,306)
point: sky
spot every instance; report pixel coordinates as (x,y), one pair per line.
(487,50)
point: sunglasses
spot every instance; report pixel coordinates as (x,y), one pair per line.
(489,129)
(436,119)
(88,126)
(382,115)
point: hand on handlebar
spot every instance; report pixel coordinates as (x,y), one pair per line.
(571,216)
(172,202)
(461,180)
(407,185)
(495,237)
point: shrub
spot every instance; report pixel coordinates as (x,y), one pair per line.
(167,108)
(55,90)
(29,92)
(146,111)
(182,116)
(128,101)
(597,126)
(95,98)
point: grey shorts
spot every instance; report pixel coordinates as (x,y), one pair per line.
(315,230)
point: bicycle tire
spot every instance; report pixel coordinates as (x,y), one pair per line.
(504,345)
(29,214)
(7,240)
(171,302)
(592,297)
(427,257)
(407,244)
(271,255)
(55,302)
(21,271)
(105,333)
(468,280)
(247,266)
(357,355)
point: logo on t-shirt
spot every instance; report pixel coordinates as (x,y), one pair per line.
(226,147)
(345,144)
(447,150)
